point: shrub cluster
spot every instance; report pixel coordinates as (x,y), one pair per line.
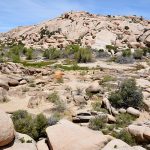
(51,53)
(27,124)
(128,95)
(138,54)
(59,104)
(78,53)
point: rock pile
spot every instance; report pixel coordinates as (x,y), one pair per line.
(86,29)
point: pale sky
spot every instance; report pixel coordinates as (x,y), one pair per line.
(15,13)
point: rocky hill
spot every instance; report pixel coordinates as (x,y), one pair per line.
(83,28)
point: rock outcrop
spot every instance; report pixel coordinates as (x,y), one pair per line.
(83,28)
(68,136)
(7,132)
(117,144)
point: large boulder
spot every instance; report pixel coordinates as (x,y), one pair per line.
(136,131)
(13,82)
(66,135)
(133,111)
(6,129)
(94,88)
(141,133)
(117,144)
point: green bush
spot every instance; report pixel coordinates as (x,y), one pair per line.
(125,136)
(53,97)
(123,120)
(97,123)
(72,67)
(41,124)
(138,54)
(126,53)
(111,47)
(125,58)
(29,54)
(128,95)
(146,50)
(27,124)
(59,104)
(83,55)
(78,53)
(108,78)
(54,118)
(51,53)
(37,64)
(15,52)
(97,106)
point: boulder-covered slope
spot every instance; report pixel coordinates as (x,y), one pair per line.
(83,28)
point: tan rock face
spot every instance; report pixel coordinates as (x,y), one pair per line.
(42,145)
(68,136)
(142,133)
(6,129)
(117,144)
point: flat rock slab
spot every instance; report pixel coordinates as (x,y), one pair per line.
(68,136)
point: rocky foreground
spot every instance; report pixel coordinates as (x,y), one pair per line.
(85,29)
(32,89)
(64,136)
(77,82)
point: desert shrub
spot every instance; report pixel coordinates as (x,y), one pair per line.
(126,57)
(53,97)
(101,54)
(59,104)
(70,68)
(125,136)
(15,51)
(126,53)
(51,53)
(37,64)
(41,124)
(69,62)
(116,99)
(96,106)
(125,60)
(71,50)
(128,95)
(111,47)
(97,123)
(123,120)
(78,53)
(54,118)
(138,54)
(108,78)
(29,53)
(83,55)
(146,51)
(27,124)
